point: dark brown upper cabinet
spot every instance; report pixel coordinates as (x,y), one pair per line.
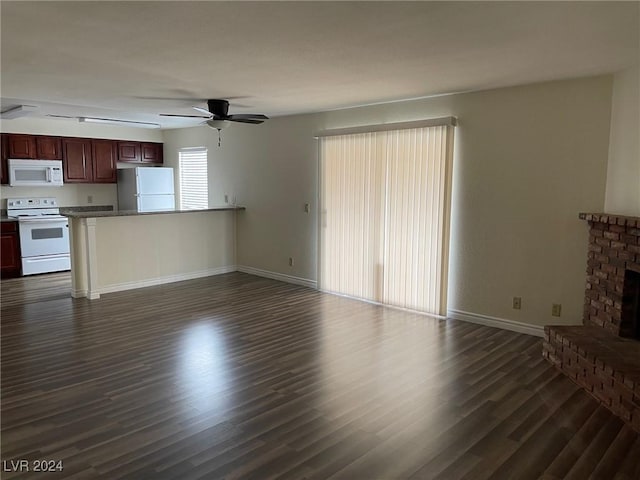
(89,160)
(105,161)
(140,152)
(22,146)
(151,152)
(77,160)
(48,148)
(35,147)
(129,152)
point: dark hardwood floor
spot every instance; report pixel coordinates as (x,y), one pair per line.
(237,376)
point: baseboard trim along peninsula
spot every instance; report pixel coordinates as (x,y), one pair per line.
(503,323)
(277,276)
(151,282)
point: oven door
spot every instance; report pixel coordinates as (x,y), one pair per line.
(44,236)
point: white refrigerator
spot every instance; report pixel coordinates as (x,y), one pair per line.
(146,189)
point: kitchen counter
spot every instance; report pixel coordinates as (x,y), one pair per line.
(66,210)
(130,213)
(85,208)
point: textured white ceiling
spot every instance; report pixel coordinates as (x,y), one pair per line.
(107,58)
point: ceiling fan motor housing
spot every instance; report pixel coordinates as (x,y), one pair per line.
(219,108)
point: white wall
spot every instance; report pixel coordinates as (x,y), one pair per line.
(69,195)
(623,172)
(527,160)
(78,194)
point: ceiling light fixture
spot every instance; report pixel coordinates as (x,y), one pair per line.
(115,121)
(218,125)
(17,112)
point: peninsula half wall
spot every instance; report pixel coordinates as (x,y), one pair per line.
(114,251)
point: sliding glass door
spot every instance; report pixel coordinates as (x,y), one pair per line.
(385,203)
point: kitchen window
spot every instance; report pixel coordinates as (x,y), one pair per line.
(194,184)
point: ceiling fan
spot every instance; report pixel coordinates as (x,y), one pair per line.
(217,116)
(219,110)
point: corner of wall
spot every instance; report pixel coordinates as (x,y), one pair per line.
(622,195)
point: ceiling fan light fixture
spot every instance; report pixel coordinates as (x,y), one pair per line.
(218,124)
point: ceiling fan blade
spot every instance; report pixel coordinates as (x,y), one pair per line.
(244,120)
(182,116)
(171,99)
(203,110)
(248,116)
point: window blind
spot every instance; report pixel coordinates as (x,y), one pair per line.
(385,203)
(194,184)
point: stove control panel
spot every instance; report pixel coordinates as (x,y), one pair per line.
(16,203)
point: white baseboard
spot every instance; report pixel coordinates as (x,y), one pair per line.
(119,287)
(85,294)
(277,276)
(505,324)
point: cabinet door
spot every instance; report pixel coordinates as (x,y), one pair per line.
(151,152)
(105,158)
(9,250)
(22,146)
(4,170)
(128,151)
(76,160)
(48,148)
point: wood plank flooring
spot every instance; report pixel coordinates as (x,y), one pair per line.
(241,377)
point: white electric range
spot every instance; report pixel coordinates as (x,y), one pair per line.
(44,234)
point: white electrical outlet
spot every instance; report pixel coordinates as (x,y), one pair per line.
(306,208)
(226,198)
(517,303)
(291,261)
(89,198)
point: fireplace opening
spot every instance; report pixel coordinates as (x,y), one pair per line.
(630,321)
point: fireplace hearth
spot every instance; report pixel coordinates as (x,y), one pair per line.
(603,356)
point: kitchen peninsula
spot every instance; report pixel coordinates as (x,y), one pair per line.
(122,250)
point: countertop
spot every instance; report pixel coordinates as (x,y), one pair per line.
(130,213)
(64,211)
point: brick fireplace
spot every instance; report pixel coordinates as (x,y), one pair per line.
(613,264)
(603,356)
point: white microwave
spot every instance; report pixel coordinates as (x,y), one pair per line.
(35,173)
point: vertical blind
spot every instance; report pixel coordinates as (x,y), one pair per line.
(194,184)
(385,203)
